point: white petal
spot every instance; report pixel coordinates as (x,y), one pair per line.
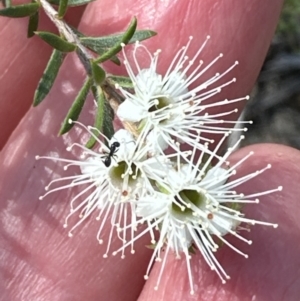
(156,167)
(127,144)
(185,171)
(176,80)
(93,167)
(215,178)
(150,205)
(122,136)
(129,111)
(223,224)
(175,179)
(182,239)
(148,83)
(156,142)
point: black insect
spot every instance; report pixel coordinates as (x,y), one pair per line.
(112,150)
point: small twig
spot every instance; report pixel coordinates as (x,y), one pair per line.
(114,99)
(68,34)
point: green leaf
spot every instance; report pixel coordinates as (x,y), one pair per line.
(46,82)
(62,9)
(117,47)
(20,11)
(141,35)
(98,73)
(102,44)
(104,117)
(100,99)
(56,41)
(123,81)
(108,125)
(33,24)
(72,2)
(115,60)
(76,107)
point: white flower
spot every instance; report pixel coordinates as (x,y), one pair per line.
(111,180)
(196,204)
(167,106)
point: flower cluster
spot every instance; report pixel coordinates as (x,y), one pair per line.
(189,196)
(167,110)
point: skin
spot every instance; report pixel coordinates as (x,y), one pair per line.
(19,60)
(37,259)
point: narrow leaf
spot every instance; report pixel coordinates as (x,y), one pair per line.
(123,81)
(72,2)
(100,99)
(102,44)
(76,107)
(20,11)
(56,41)
(33,24)
(108,125)
(46,82)
(115,60)
(98,73)
(141,35)
(104,117)
(117,47)
(63,5)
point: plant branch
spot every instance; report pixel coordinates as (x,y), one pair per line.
(85,57)
(67,33)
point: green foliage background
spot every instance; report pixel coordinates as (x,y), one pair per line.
(289,23)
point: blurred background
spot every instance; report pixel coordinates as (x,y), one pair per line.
(274,106)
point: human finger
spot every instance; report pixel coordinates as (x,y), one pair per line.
(22,62)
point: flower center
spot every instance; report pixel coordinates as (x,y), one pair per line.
(162,103)
(123,172)
(185,199)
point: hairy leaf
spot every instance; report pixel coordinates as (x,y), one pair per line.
(72,2)
(33,24)
(115,60)
(76,107)
(108,125)
(99,120)
(123,81)
(104,117)
(98,73)
(56,41)
(102,44)
(20,11)
(62,9)
(46,82)
(117,47)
